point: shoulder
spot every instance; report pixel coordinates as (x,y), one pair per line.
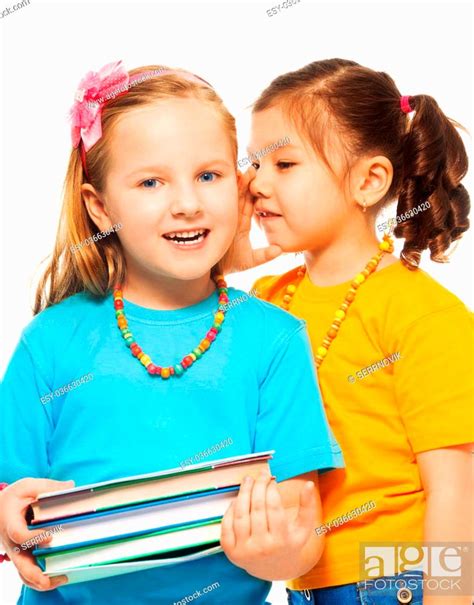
(409,310)
(412,295)
(59,333)
(61,320)
(275,339)
(262,321)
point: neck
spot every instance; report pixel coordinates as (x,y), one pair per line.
(166,293)
(342,260)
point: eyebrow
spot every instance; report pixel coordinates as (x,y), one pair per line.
(153,168)
(288,146)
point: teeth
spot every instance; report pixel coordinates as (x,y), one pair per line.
(190,242)
(184,234)
(186,238)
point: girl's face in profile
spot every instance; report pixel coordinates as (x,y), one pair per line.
(304,203)
(172,184)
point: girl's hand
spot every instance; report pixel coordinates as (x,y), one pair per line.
(245,257)
(14,501)
(261,536)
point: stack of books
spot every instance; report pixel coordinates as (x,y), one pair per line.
(136,523)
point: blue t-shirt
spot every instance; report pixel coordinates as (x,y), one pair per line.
(255,389)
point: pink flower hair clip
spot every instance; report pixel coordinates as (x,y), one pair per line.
(98,87)
(94,89)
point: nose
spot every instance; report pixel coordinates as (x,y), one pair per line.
(186,202)
(260,185)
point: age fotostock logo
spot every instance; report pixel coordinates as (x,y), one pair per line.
(446,566)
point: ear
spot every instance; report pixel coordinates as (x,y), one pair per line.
(96,207)
(371,178)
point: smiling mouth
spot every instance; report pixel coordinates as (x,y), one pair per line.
(187,237)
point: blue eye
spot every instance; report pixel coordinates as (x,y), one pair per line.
(207,177)
(150,183)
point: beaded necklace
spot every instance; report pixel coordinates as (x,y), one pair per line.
(178,369)
(386,245)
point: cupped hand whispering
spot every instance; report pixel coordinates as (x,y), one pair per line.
(244,256)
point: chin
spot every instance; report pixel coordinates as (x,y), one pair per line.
(192,274)
(286,245)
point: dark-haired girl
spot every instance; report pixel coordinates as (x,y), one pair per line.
(392,346)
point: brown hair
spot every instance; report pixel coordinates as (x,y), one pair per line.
(97,268)
(362,107)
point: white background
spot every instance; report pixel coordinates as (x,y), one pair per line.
(48,47)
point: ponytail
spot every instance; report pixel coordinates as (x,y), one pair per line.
(339,98)
(434,163)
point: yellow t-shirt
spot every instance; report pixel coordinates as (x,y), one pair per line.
(396,381)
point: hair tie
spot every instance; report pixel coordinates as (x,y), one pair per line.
(405,104)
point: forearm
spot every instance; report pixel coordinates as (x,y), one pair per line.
(448,518)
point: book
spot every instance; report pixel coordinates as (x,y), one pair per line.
(135,523)
(179,541)
(97,572)
(127,491)
(137,520)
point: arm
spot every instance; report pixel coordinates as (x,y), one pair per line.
(446,475)
(269,529)
(437,415)
(25,431)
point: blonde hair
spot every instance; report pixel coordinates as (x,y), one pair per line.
(97,268)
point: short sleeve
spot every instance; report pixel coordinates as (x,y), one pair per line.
(291,418)
(25,425)
(434,379)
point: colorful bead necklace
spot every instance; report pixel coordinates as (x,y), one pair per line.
(178,369)
(386,245)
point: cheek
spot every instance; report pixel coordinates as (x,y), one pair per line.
(141,227)
(299,204)
(311,202)
(142,210)
(225,205)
